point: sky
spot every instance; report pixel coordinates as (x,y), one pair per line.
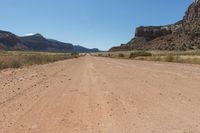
(90,23)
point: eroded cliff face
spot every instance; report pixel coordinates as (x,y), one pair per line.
(152,32)
(193,12)
(183,35)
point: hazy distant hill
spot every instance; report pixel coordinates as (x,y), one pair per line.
(37,42)
(78,48)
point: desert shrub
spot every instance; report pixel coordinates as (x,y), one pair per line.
(137,54)
(194,60)
(100,54)
(190,60)
(169,58)
(177,59)
(2,65)
(156,58)
(74,54)
(15,64)
(10,62)
(121,55)
(34,59)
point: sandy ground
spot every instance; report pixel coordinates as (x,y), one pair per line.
(101,95)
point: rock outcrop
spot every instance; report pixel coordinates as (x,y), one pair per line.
(152,32)
(193,12)
(181,36)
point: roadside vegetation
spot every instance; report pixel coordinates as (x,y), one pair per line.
(19,59)
(192,57)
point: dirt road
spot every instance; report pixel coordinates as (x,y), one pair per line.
(101,95)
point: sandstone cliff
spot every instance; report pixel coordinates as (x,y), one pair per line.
(183,35)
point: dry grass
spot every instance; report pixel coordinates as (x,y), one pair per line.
(139,54)
(19,59)
(192,57)
(176,58)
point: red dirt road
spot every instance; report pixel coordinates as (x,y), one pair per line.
(101,95)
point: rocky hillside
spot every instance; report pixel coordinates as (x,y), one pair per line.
(181,36)
(37,42)
(9,41)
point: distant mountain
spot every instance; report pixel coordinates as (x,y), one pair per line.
(37,42)
(82,49)
(9,41)
(181,36)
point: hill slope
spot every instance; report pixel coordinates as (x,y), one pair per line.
(39,43)
(9,41)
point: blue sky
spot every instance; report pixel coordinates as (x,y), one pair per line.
(91,23)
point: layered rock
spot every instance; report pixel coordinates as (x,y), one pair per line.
(152,32)
(183,35)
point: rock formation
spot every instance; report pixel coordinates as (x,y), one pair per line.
(183,35)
